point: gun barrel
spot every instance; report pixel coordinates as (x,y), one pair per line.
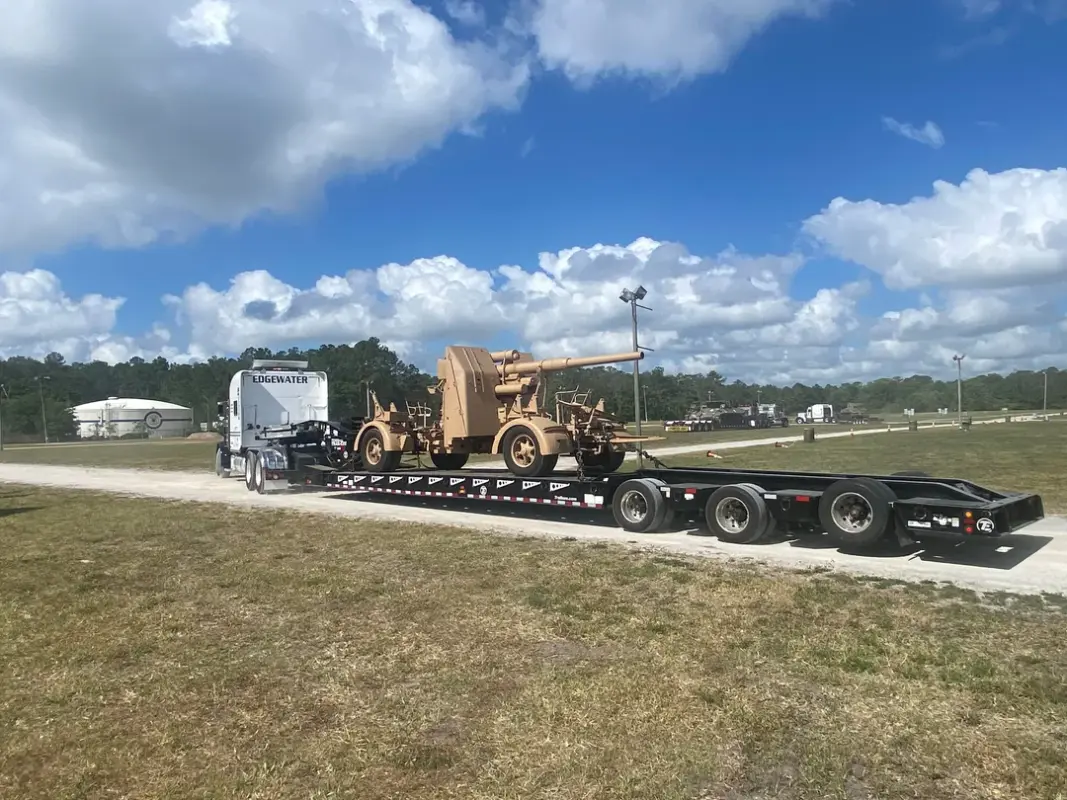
(556,364)
(504,355)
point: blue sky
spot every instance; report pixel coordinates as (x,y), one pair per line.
(734,158)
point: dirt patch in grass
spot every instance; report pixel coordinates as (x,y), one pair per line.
(1020,456)
(155,649)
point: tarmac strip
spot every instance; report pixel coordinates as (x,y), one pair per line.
(1030,562)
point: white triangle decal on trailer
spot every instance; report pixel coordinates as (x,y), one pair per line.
(376,478)
(529,484)
(555,487)
(395,478)
(501,484)
(413,478)
(435,480)
(454,481)
(358,478)
(479,481)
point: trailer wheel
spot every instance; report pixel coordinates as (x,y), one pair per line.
(251,457)
(639,506)
(856,511)
(373,454)
(220,470)
(523,456)
(449,461)
(737,513)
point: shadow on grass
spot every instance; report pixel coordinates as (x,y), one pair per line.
(10,512)
(1005,553)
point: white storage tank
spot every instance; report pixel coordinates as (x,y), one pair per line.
(129,416)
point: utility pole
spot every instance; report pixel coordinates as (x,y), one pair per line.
(959,388)
(644,397)
(3,394)
(1044,401)
(632,297)
(44,418)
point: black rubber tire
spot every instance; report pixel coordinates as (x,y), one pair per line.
(259,477)
(250,469)
(220,471)
(389,460)
(639,506)
(876,494)
(605,462)
(758,520)
(449,461)
(541,464)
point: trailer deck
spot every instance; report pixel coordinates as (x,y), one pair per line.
(737,505)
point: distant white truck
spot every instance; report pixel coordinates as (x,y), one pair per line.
(820,412)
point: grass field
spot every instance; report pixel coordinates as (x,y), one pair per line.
(1024,456)
(151,649)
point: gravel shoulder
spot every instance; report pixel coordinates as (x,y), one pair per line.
(1026,563)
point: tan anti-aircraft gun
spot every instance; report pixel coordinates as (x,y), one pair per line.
(490,404)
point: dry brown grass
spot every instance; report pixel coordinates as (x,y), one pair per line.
(151,649)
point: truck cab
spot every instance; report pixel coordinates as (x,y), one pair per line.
(820,412)
(271,396)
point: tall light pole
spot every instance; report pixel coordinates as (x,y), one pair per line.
(3,394)
(644,399)
(959,387)
(44,419)
(1044,399)
(632,297)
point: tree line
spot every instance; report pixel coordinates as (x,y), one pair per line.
(37,395)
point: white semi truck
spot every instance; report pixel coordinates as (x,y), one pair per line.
(275,420)
(820,412)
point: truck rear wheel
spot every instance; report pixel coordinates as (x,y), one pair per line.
(374,455)
(259,477)
(639,506)
(251,457)
(523,455)
(737,514)
(857,512)
(449,461)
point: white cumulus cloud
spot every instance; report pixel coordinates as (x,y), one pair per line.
(663,38)
(125,122)
(992,230)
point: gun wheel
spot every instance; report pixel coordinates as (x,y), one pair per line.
(374,455)
(523,456)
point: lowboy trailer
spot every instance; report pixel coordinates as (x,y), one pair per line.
(278,438)
(739,506)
